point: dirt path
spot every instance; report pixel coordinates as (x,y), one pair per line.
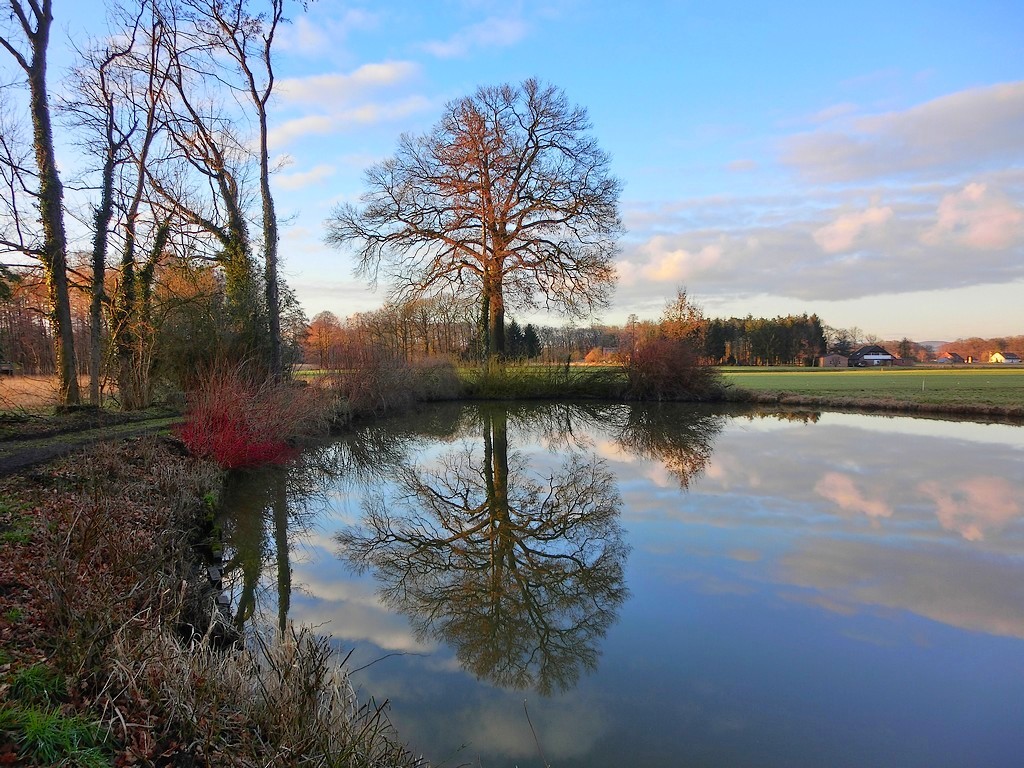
(23,448)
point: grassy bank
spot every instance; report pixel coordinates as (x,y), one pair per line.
(534,382)
(108,632)
(969,391)
(981,391)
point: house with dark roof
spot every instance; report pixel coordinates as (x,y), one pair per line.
(870,356)
(950,358)
(1005,357)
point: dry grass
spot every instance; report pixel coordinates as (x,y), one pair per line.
(27,393)
(36,393)
(100,585)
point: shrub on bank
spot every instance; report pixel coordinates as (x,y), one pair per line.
(240,419)
(668,369)
(378,385)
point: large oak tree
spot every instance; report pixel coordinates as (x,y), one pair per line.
(508,197)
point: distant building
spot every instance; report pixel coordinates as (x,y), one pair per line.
(870,355)
(950,358)
(1004,357)
(834,361)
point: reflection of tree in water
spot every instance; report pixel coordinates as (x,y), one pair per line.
(679,435)
(681,439)
(536,562)
(261,509)
(521,575)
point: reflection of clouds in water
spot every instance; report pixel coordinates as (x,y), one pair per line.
(887,428)
(352,611)
(842,491)
(819,601)
(659,474)
(781,477)
(613,452)
(567,728)
(948,585)
(357,623)
(974,507)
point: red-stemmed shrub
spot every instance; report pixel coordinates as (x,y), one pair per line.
(241,420)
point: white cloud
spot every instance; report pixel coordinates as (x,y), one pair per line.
(960,131)
(339,87)
(977,218)
(974,507)
(831,246)
(290,130)
(668,264)
(301,179)
(833,112)
(840,489)
(953,587)
(369,113)
(741,166)
(314,35)
(490,33)
(843,233)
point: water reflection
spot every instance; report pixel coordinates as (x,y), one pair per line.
(520,574)
(262,509)
(829,589)
(684,446)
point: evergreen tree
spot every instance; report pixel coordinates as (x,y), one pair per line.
(514,347)
(531,342)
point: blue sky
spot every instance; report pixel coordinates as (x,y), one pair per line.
(864,161)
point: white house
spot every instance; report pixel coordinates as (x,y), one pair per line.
(1004,357)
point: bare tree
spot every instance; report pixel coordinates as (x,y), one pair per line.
(95,107)
(116,104)
(207,147)
(508,197)
(27,44)
(248,40)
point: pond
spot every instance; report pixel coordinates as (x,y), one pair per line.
(612,585)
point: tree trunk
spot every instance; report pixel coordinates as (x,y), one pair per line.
(270,240)
(496,320)
(279,507)
(51,214)
(104,213)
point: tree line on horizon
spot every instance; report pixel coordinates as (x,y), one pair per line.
(187,301)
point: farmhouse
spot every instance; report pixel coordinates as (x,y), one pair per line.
(870,355)
(1004,357)
(950,358)
(834,361)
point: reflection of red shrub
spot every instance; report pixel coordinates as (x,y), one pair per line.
(239,421)
(668,369)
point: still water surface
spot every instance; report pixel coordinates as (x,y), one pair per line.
(660,586)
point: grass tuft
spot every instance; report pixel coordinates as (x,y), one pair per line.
(38,684)
(46,736)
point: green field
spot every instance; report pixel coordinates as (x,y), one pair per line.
(939,386)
